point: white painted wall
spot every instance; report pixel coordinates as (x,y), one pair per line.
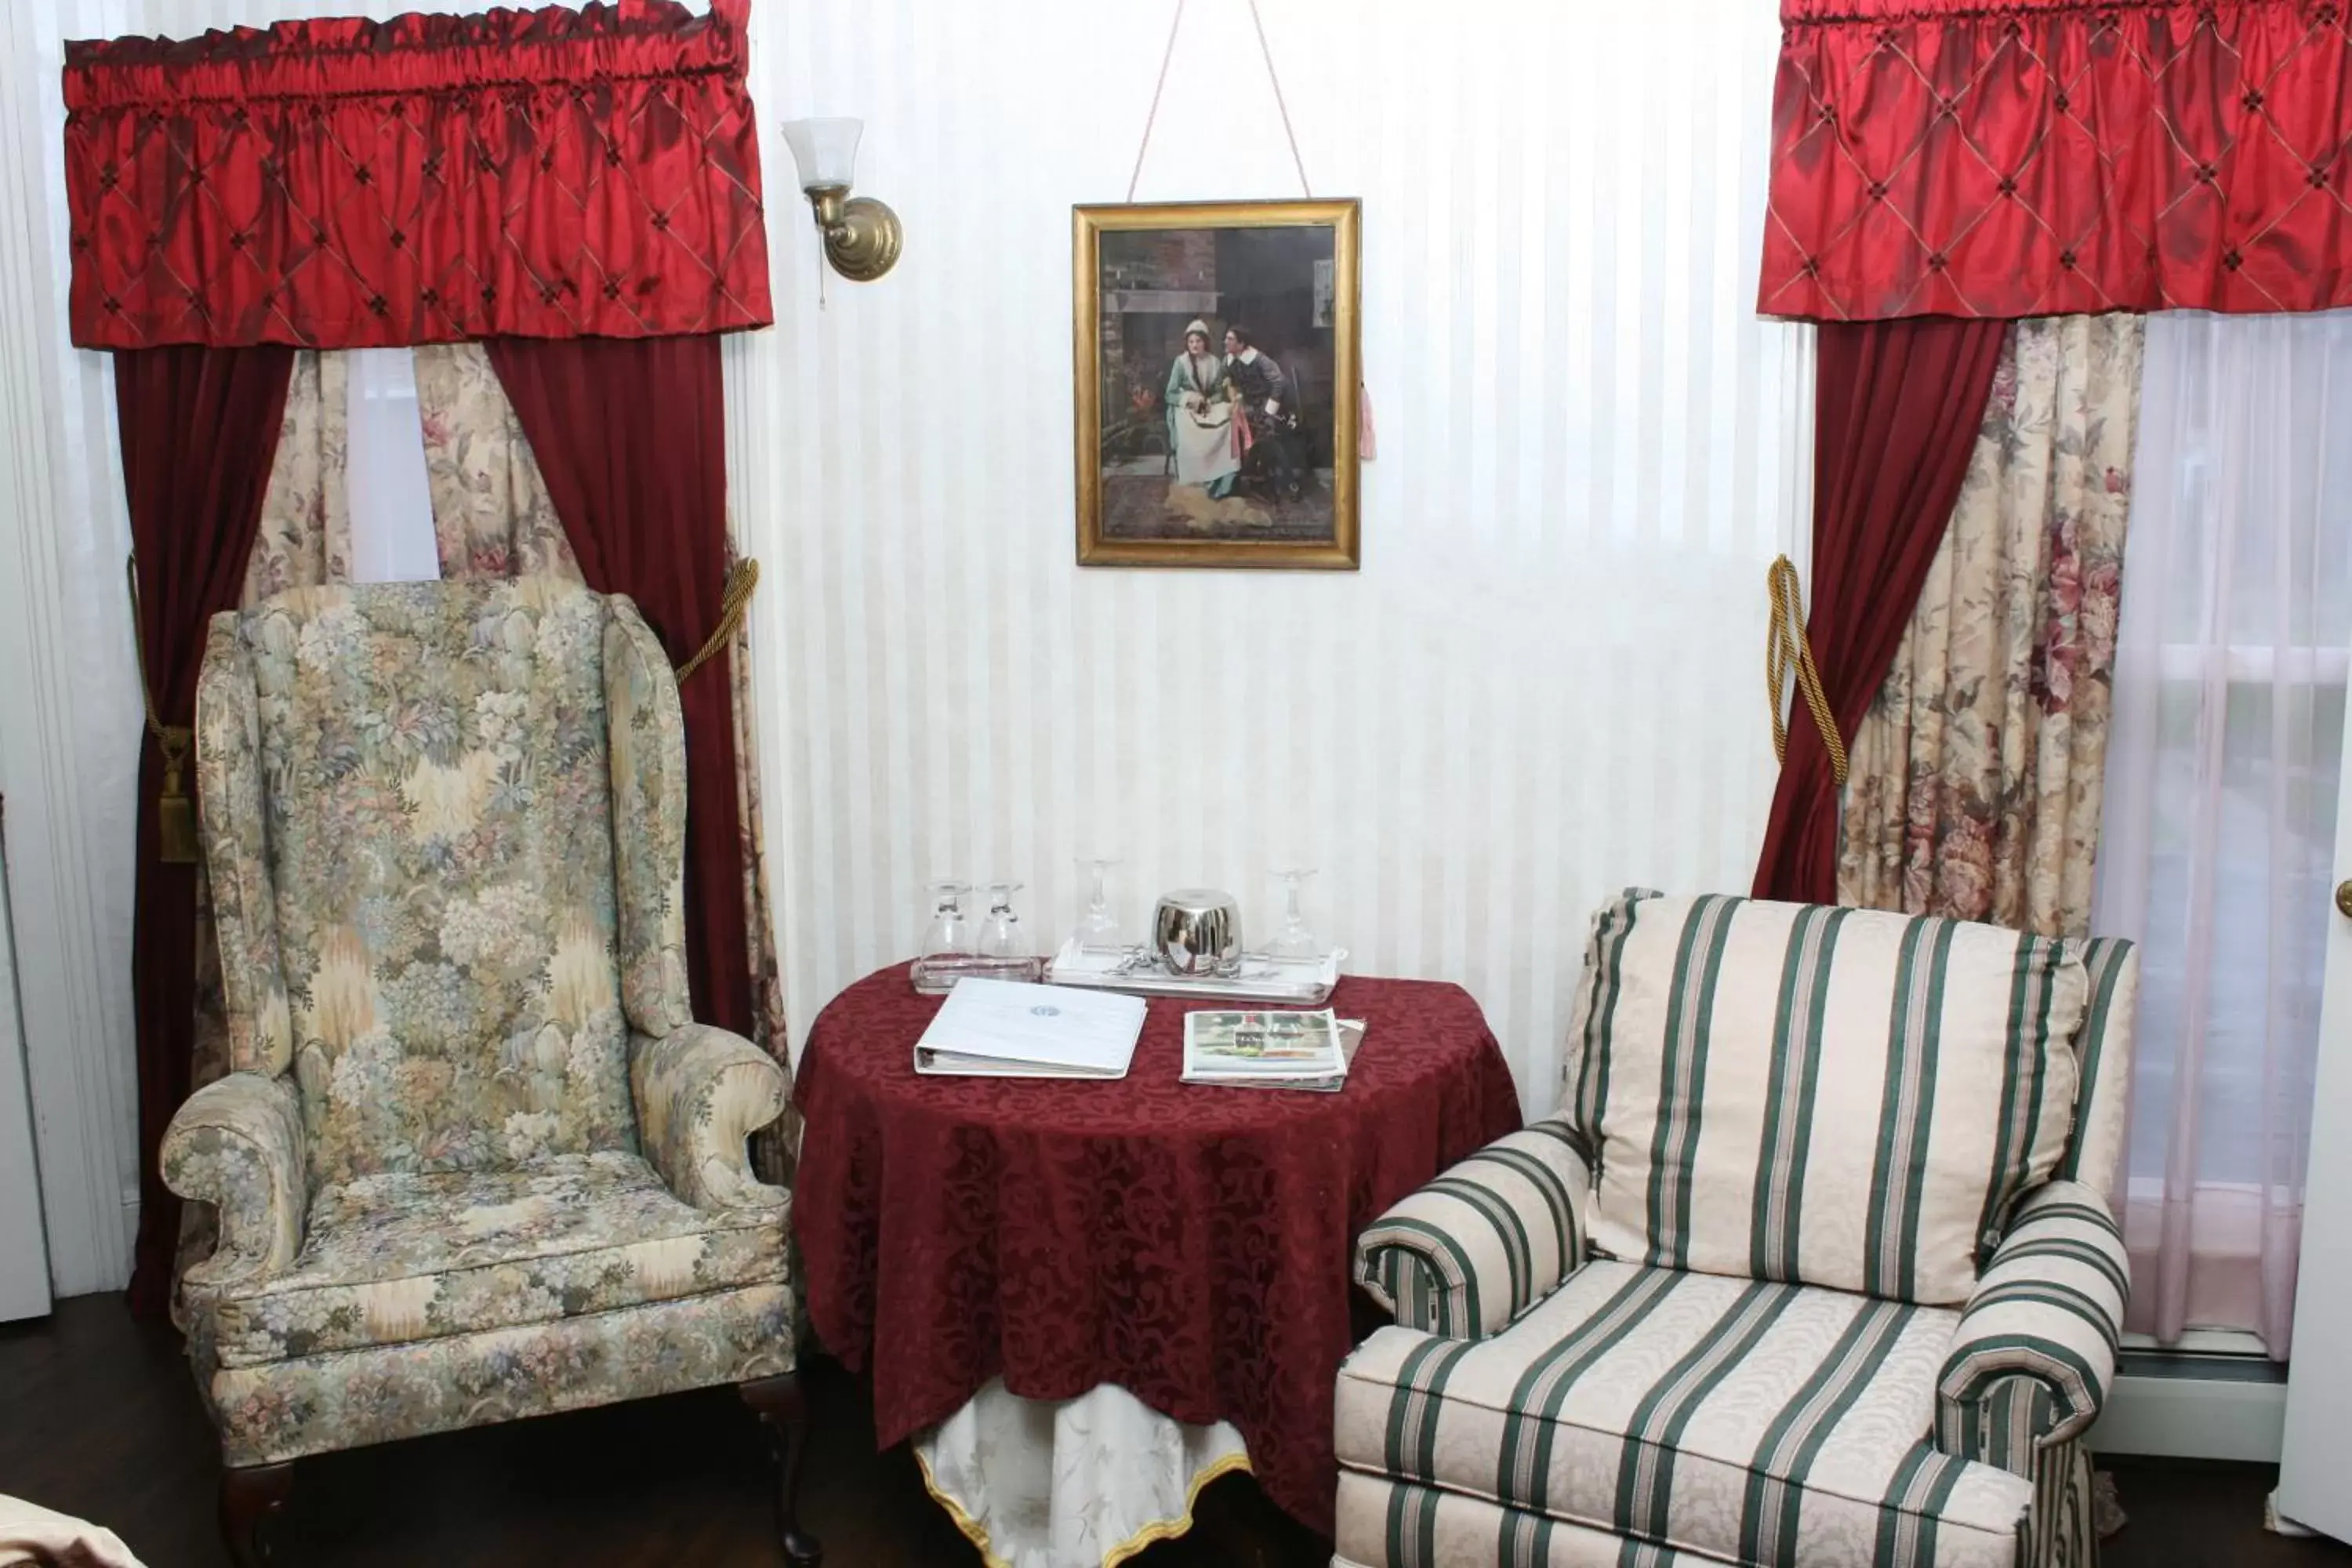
(68,695)
(1545,681)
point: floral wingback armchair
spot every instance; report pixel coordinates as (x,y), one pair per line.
(1814,1270)
(474,1161)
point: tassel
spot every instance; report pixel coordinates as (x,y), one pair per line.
(176,813)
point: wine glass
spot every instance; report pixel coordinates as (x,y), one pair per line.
(1000,936)
(1099,929)
(948,938)
(1294,940)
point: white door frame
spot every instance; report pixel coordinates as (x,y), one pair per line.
(24,1246)
(2316,1458)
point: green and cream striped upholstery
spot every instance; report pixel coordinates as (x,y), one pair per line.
(1482,1243)
(1741,1421)
(2103,1049)
(1387,1523)
(1829,1095)
(2049,1312)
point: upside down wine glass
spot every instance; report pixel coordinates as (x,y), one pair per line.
(1294,940)
(1004,945)
(1099,929)
(949,947)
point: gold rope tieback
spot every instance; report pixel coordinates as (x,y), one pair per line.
(1786,649)
(176,813)
(741,579)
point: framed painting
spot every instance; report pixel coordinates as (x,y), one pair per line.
(1216,350)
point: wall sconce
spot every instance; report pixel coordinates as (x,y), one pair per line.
(861,234)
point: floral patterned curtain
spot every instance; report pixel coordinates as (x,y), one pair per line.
(492,518)
(1976,778)
(306,517)
(491,515)
(777,1145)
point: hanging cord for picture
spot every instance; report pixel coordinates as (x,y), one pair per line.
(1282,105)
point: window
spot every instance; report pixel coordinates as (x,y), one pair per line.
(391,501)
(2222,774)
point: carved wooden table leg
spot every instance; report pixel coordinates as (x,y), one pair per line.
(783,1405)
(249,1500)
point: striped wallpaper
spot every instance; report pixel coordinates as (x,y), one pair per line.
(1545,683)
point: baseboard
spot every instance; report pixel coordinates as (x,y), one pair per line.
(2195,1408)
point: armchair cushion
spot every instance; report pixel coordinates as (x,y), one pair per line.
(236,1144)
(397,1257)
(2036,1346)
(701,1093)
(1737,1421)
(2103,1045)
(1482,1243)
(437,816)
(1843,1097)
(318,1403)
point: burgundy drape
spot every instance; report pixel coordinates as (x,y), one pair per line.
(348,184)
(2009,157)
(1897,405)
(199,431)
(630,434)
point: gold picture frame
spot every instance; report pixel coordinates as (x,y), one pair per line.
(1252,462)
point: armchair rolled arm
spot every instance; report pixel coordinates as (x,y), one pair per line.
(1480,1245)
(701,1092)
(2035,1349)
(238,1144)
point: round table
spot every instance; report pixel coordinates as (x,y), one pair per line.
(1189,1244)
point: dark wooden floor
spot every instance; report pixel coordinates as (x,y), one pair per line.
(99,1418)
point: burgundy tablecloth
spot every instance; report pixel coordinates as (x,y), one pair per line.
(1189,1244)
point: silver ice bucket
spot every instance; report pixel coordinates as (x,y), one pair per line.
(1198,931)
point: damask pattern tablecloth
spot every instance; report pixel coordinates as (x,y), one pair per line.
(1190,1243)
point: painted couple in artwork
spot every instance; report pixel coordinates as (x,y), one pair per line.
(1220,407)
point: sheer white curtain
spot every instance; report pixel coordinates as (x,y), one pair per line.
(2220,804)
(391,502)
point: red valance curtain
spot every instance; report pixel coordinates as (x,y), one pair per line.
(2049,157)
(348,184)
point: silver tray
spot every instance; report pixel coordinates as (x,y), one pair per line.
(1287,982)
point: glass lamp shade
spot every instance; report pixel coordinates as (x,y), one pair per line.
(826,150)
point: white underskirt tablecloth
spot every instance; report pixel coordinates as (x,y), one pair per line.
(1074,1483)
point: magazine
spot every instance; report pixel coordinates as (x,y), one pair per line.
(1266,1051)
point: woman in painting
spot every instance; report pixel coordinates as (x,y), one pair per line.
(1201,416)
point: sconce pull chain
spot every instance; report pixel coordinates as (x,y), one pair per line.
(1282,106)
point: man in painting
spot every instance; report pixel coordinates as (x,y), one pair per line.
(1268,404)
(1199,406)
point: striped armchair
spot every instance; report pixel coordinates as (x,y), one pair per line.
(1815,1265)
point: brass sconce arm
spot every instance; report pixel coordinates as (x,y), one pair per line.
(862,235)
